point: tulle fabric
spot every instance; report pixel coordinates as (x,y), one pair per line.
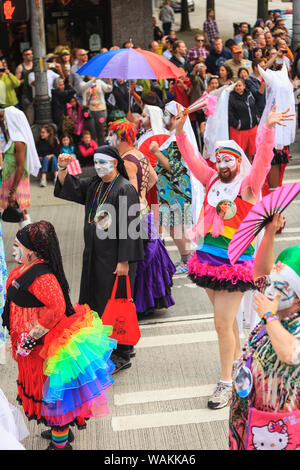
(153,281)
(234,274)
(77,365)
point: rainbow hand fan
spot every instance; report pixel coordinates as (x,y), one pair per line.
(259,216)
(206,101)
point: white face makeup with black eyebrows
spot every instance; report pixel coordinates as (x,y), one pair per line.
(227,166)
(103,166)
(167,119)
(112,140)
(145,119)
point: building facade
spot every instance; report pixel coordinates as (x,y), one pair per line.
(90,24)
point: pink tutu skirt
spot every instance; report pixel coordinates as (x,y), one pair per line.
(221,277)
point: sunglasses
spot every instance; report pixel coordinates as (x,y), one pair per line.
(200,40)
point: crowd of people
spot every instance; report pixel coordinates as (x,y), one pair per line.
(201,171)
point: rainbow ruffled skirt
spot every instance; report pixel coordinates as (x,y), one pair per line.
(77,368)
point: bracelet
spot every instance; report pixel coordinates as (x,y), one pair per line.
(268,316)
(271,318)
(61,168)
(27,342)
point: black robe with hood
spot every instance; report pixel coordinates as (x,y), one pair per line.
(102,253)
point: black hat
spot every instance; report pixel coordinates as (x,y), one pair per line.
(113,153)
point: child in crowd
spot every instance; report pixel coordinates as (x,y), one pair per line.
(66,145)
(86,149)
(48,151)
(73,122)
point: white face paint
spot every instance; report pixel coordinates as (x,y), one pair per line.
(226,165)
(102,167)
(225,161)
(17,253)
(277,285)
(167,119)
(145,119)
(112,140)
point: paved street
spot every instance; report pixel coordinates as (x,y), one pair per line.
(160,402)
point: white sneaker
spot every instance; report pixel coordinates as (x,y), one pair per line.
(181,268)
(221,396)
(43,183)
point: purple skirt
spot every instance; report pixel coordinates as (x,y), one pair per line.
(153,280)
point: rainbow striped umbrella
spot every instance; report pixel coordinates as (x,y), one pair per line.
(130,64)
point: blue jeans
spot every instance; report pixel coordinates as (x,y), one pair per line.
(49,164)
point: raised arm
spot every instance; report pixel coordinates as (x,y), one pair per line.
(265,253)
(194,160)
(265,143)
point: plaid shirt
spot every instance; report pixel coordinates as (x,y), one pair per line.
(194,53)
(211,28)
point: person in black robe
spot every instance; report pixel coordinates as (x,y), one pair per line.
(109,249)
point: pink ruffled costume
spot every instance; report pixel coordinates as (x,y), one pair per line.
(209,266)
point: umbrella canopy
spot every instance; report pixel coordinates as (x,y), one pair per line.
(259,216)
(130,64)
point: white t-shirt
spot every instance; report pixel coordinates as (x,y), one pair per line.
(51,76)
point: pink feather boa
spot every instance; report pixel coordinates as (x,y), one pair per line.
(238,272)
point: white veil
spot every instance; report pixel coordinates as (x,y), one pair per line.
(279,91)
(19,131)
(156,119)
(217,124)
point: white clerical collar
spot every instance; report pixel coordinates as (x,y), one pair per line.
(220,190)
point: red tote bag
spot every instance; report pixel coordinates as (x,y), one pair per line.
(121,314)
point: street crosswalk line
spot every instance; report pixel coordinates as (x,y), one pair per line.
(177,319)
(149,396)
(178,323)
(287,239)
(171,418)
(174,339)
(291,229)
(292,167)
(181,321)
(171,248)
(291,181)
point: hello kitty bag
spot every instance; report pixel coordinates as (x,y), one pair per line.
(273,431)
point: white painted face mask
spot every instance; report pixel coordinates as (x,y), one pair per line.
(167,119)
(226,162)
(103,169)
(17,253)
(277,285)
(145,119)
(112,140)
